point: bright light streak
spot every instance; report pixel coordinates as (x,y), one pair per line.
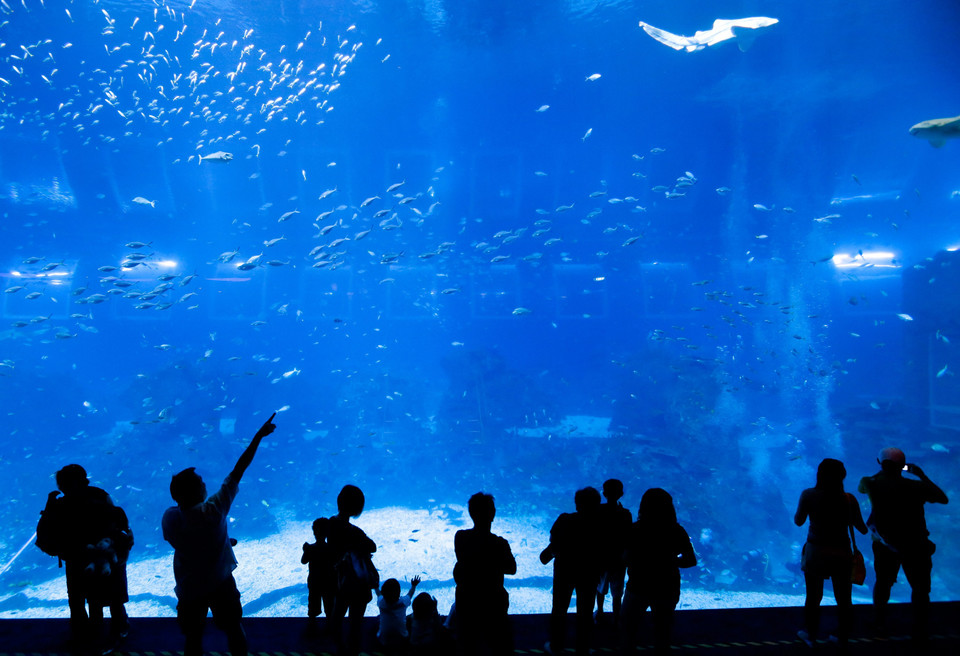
(863,259)
(170,264)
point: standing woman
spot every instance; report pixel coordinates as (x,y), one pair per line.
(657,547)
(827,553)
(351,551)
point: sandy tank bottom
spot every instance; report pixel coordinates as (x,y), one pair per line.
(272,581)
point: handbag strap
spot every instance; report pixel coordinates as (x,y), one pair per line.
(853,540)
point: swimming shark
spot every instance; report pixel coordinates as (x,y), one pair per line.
(937,130)
(744,30)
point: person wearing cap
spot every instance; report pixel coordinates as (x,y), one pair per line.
(899,530)
(203,560)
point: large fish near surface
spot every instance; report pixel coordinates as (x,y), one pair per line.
(743,30)
(937,130)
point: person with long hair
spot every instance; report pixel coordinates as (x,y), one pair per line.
(657,547)
(828,552)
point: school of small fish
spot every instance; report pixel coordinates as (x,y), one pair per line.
(173,68)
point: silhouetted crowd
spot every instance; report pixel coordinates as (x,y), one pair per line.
(596,550)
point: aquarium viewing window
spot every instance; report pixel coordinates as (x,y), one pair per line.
(520,248)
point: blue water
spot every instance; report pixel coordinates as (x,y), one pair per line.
(719,343)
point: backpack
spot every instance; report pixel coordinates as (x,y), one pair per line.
(50,531)
(356,572)
(89,529)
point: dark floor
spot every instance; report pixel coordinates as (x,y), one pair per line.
(736,631)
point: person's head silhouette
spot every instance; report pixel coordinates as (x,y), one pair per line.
(612,490)
(72,478)
(830,475)
(891,459)
(587,500)
(482,509)
(187,488)
(390,591)
(350,501)
(656,507)
(320,528)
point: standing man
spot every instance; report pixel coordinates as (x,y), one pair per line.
(483,559)
(899,530)
(84,529)
(203,560)
(575,548)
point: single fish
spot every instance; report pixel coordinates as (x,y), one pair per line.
(742,30)
(227,256)
(218,156)
(937,130)
(140,200)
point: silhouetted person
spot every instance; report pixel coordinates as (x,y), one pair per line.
(657,547)
(575,548)
(828,552)
(321,575)
(392,630)
(428,636)
(482,625)
(87,531)
(350,549)
(899,531)
(615,521)
(203,560)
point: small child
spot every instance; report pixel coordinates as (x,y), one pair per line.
(321,577)
(427,633)
(393,612)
